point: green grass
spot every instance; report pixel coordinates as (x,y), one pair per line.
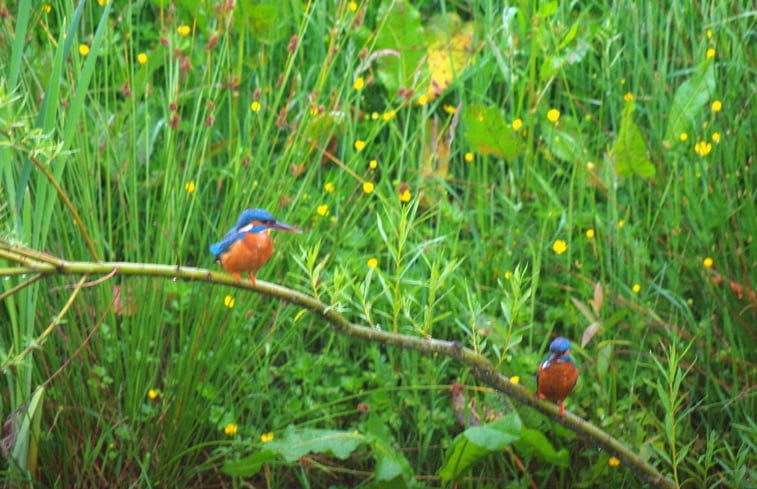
(158,159)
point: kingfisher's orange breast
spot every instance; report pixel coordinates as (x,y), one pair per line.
(249,254)
(557,380)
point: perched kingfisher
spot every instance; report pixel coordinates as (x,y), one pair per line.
(557,374)
(247,246)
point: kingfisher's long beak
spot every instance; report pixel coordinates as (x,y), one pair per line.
(284,227)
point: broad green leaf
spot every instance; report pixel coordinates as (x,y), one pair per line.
(402,36)
(630,150)
(534,441)
(297,443)
(565,140)
(689,100)
(26,445)
(391,464)
(267,21)
(488,132)
(475,443)
(249,466)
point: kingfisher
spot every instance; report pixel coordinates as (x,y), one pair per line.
(247,246)
(557,375)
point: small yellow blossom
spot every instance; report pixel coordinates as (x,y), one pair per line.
(142,58)
(508,275)
(468,156)
(228,301)
(613,462)
(388,115)
(102,3)
(230,429)
(628,97)
(373,164)
(372,263)
(715,137)
(559,246)
(255,107)
(553,115)
(450,109)
(683,137)
(709,33)
(621,223)
(405,196)
(184,30)
(359,83)
(710,53)
(47,8)
(359,145)
(622,81)
(517,124)
(323,210)
(266,437)
(702,148)
(313,110)
(153,393)
(374,116)
(590,233)
(368,187)
(329,187)
(83,49)
(352,6)
(707,263)
(717,105)
(590,165)
(189,187)
(515,379)
(422,100)
(636,288)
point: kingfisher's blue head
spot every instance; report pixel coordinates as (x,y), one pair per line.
(255,219)
(559,345)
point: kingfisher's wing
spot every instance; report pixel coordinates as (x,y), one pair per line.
(232,236)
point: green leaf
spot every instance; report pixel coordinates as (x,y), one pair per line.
(391,464)
(565,143)
(402,37)
(534,441)
(689,100)
(488,132)
(297,443)
(630,150)
(249,466)
(268,21)
(475,443)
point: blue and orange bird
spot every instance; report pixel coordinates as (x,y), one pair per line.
(557,374)
(247,246)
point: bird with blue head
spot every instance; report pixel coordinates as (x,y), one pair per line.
(557,375)
(248,245)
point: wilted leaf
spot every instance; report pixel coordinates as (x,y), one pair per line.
(488,132)
(534,441)
(688,101)
(598,300)
(584,309)
(449,54)
(589,333)
(630,149)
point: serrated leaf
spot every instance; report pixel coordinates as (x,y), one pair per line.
(535,442)
(690,98)
(475,443)
(487,132)
(248,466)
(296,443)
(630,149)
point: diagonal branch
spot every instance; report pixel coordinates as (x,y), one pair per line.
(481,368)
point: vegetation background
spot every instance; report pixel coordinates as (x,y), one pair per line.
(495,174)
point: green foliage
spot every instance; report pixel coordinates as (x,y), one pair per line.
(630,151)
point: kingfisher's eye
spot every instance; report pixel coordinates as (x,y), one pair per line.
(267,222)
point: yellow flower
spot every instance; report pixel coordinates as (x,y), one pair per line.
(329,187)
(636,288)
(613,462)
(422,100)
(313,110)
(405,196)
(450,109)
(373,164)
(102,3)
(47,8)
(469,157)
(715,137)
(590,233)
(142,58)
(228,301)
(707,263)
(323,210)
(559,246)
(189,187)
(621,223)
(508,275)
(388,115)
(709,33)
(184,30)
(517,124)
(359,83)
(590,165)
(683,137)
(372,263)
(255,107)
(359,145)
(515,379)
(553,115)
(352,6)
(230,429)
(152,393)
(368,187)
(702,148)
(374,116)
(717,105)
(622,81)
(628,97)
(266,437)
(710,53)
(83,49)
